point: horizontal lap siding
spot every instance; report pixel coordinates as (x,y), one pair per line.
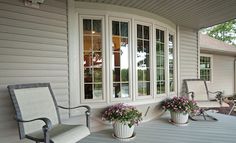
(33,48)
(223,75)
(188,54)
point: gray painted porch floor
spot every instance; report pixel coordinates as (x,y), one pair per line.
(161,131)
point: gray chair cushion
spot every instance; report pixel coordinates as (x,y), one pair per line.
(64,133)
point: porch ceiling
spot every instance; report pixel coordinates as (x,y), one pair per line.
(191,13)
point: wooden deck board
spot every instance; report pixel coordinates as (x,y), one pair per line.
(161,131)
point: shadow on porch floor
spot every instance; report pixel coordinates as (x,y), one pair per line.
(161,131)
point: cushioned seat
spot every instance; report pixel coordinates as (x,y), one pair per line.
(64,133)
(211,104)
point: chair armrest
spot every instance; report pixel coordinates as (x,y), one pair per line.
(191,93)
(87,112)
(218,96)
(47,122)
(45,128)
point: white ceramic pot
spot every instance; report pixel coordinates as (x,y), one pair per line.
(122,130)
(179,118)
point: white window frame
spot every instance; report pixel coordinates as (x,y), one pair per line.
(175,64)
(76,84)
(81,58)
(129,62)
(150,25)
(211,64)
(166,64)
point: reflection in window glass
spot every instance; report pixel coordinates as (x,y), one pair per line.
(120,59)
(142,59)
(92,58)
(205,68)
(171,63)
(160,61)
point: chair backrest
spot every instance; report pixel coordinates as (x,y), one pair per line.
(33,101)
(198,87)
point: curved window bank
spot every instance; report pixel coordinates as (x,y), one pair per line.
(120,54)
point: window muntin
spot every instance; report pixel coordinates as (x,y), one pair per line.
(171,57)
(93,59)
(143,60)
(205,68)
(160,61)
(120,59)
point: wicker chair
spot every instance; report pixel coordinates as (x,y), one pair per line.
(37,115)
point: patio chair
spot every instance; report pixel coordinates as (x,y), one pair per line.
(197,90)
(38,118)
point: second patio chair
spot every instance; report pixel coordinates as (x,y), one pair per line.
(37,115)
(197,90)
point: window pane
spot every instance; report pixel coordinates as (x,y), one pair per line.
(98,75)
(139,31)
(97,59)
(116,75)
(146,46)
(146,32)
(97,91)
(140,45)
(162,36)
(146,61)
(124,29)
(87,43)
(125,90)
(97,26)
(125,75)
(97,43)
(116,43)
(88,59)
(143,88)
(116,90)
(146,75)
(140,75)
(115,28)
(88,91)
(88,75)
(87,26)
(116,59)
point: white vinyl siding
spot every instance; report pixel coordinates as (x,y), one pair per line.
(33,49)
(223,75)
(188,54)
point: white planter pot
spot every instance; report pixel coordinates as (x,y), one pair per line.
(122,130)
(179,118)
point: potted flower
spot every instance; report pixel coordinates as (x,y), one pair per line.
(124,118)
(180,108)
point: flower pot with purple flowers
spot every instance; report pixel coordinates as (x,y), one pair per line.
(180,108)
(123,118)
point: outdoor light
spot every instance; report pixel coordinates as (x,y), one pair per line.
(33,3)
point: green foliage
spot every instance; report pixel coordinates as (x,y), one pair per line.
(225,32)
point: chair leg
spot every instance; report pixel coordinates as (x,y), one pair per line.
(231,109)
(204,115)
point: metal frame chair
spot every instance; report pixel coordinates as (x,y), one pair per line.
(197,90)
(37,115)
